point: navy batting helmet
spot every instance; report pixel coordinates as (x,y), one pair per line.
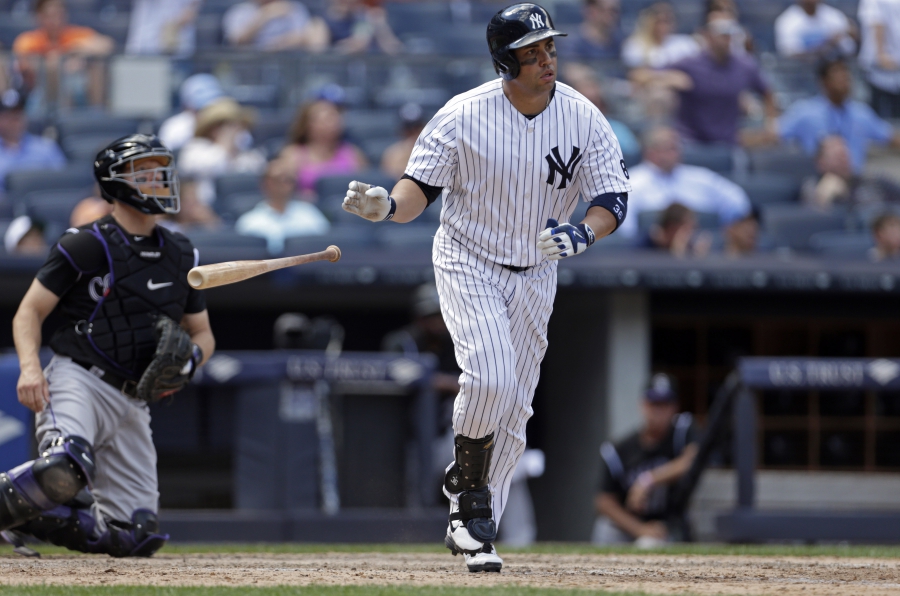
(149,191)
(515,27)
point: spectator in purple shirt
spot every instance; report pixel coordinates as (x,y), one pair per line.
(20,150)
(710,105)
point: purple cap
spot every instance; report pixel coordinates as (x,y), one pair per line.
(661,389)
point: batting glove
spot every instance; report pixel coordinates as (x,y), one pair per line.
(369,202)
(561,241)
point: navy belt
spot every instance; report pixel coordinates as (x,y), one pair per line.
(515,269)
(126,386)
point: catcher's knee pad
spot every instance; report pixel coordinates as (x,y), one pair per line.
(138,538)
(472,465)
(65,467)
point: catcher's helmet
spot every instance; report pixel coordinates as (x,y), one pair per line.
(515,27)
(114,171)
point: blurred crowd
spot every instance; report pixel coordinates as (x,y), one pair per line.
(748,126)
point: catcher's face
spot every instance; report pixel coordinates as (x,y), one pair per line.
(148,175)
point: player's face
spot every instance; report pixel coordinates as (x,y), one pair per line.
(149,177)
(537,65)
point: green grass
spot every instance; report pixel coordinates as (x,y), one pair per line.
(768,550)
(292,591)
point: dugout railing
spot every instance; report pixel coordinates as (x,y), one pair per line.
(736,400)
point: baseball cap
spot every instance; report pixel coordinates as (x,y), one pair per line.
(411,114)
(200,90)
(16,231)
(661,389)
(332,93)
(12,99)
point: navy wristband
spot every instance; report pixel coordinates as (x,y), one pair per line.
(393,210)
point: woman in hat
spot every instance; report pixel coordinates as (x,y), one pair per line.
(221,144)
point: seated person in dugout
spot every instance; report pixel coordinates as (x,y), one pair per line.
(635,495)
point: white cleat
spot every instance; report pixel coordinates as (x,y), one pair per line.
(486,560)
(458,539)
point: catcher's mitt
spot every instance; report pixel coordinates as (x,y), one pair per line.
(171,367)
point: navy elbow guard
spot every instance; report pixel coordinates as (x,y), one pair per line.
(614,202)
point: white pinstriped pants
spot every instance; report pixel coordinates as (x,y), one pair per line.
(498,322)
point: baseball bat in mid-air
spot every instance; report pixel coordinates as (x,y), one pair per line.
(220,274)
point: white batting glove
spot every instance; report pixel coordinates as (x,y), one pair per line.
(369,202)
(561,241)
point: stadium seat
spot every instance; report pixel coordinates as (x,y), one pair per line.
(841,244)
(4,224)
(50,206)
(11,27)
(782,160)
(209,31)
(414,17)
(717,158)
(232,206)
(371,124)
(232,184)
(19,183)
(225,238)
(705,220)
(344,237)
(96,123)
(374,148)
(272,125)
(82,148)
(765,188)
(791,226)
(411,235)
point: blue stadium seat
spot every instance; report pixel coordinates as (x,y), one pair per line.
(4,223)
(50,206)
(765,188)
(782,160)
(11,27)
(209,31)
(411,235)
(374,148)
(717,158)
(791,226)
(371,124)
(841,244)
(19,183)
(344,237)
(232,184)
(705,220)
(83,147)
(416,17)
(96,123)
(272,125)
(223,239)
(232,206)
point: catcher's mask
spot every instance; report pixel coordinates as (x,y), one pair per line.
(515,27)
(152,190)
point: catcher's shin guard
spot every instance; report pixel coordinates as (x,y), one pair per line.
(75,529)
(63,469)
(471,517)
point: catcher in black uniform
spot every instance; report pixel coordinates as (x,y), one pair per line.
(135,332)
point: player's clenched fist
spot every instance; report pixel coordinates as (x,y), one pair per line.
(371,202)
(561,241)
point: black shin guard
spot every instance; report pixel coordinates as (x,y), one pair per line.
(473,463)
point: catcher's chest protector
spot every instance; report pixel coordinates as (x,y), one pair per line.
(145,280)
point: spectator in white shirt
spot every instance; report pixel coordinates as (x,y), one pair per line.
(879,54)
(163,27)
(274,25)
(280,215)
(809,28)
(661,180)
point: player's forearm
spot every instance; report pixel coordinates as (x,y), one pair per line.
(206,342)
(410,199)
(601,221)
(671,471)
(608,506)
(27,337)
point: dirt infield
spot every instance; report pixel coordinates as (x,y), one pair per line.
(659,574)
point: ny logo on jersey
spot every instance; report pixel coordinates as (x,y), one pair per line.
(537,21)
(566,170)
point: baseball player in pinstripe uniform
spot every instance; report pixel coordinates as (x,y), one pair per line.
(512,158)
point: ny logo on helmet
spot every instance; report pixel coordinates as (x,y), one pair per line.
(537,21)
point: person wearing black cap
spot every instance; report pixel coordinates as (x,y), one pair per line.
(19,149)
(639,470)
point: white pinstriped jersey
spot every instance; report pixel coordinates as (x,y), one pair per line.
(504,175)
